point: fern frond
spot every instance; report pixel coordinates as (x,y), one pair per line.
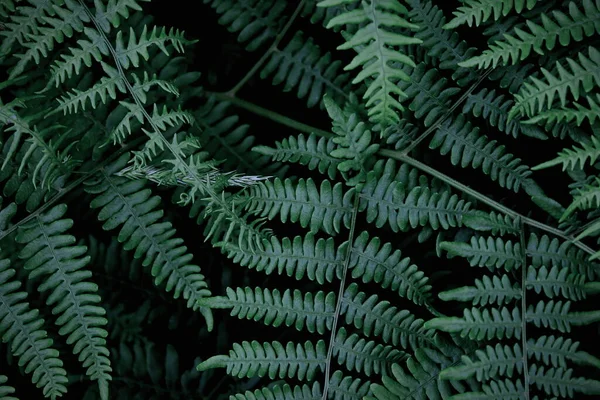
(576,158)
(71,19)
(494,108)
(325,207)
(255,21)
(21,326)
(105,88)
(441,44)
(360,355)
(301,66)
(318,260)
(346,388)
(576,26)
(554,315)
(275,360)
(26,22)
(302,310)
(467,147)
(49,253)
(546,251)
(138,47)
(381,319)
(128,203)
(493,222)
(560,382)
(487,252)
(282,392)
(556,281)
(312,151)
(431,98)
(6,390)
(111,13)
(490,363)
(554,351)
(508,389)
(482,323)
(537,94)
(486,291)
(378,21)
(372,261)
(476,12)
(565,114)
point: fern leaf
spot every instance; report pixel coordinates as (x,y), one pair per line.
(105,88)
(21,327)
(282,392)
(248,359)
(311,151)
(301,66)
(476,12)
(576,26)
(360,355)
(112,12)
(487,252)
(556,282)
(481,323)
(380,319)
(486,291)
(372,261)
(6,390)
(431,98)
(505,390)
(565,114)
(128,203)
(537,95)
(559,382)
(467,146)
(378,21)
(49,252)
(255,21)
(301,310)
(554,351)
(26,22)
(576,158)
(495,223)
(443,45)
(346,388)
(325,207)
(545,251)
(490,363)
(318,260)
(70,19)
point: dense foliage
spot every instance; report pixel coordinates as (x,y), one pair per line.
(315,199)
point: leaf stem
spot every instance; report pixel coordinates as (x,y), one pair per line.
(233,91)
(338,306)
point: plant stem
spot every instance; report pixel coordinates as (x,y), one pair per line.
(338,306)
(233,91)
(269,114)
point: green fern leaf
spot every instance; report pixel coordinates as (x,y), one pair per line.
(554,351)
(26,22)
(300,361)
(486,291)
(378,21)
(576,26)
(565,114)
(319,260)
(301,310)
(325,207)
(539,95)
(128,203)
(476,12)
(301,66)
(467,146)
(311,151)
(556,282)
(559,382)
(487,252)
(282,392)
(372,261)
(482,323)
(20,326)
(490,363)
(381,319)
(6,390)
(360,355)
(49,253)
(495,223)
